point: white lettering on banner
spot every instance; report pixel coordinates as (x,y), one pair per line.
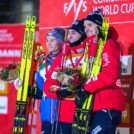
(114,8)
(3,105)
(103,1)
(10,53)
(127,8)
(76,7)
(5,36)
(109,9)
(3,31)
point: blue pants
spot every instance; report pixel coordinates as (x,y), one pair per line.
(105,121)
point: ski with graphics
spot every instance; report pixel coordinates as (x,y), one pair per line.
(26,61)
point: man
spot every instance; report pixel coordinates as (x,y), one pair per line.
(48,114)
(76,36)
(109,100)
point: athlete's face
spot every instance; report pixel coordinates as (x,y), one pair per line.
(90,28)
(52,44)
(73,36)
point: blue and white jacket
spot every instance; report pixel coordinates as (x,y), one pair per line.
(48,106)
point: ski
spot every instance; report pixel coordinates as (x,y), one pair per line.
(82,115)
(26,60)
(38,57)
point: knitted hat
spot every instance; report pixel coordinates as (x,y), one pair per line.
(96,17)
(77,25)
(58,33)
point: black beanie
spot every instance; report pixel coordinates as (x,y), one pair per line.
(96,17)
(78,26)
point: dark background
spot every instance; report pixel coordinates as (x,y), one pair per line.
(15,11)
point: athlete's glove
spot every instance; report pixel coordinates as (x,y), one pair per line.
(63,92)
(81,96)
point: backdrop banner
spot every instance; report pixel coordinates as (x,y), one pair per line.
(64,12)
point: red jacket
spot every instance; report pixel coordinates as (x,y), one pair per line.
(67,106)
(106,85)
(108,94)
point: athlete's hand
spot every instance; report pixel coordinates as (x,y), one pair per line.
(81,96)
(63,92)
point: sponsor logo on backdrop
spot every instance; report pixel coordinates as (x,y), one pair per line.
(120,13)
(77,7)
(5,35)
(11,41)
(3,105)
(10,53)
(2,86)
(109,7)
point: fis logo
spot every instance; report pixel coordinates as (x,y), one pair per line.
(77,7)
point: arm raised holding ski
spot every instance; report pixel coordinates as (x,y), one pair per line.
(103,83)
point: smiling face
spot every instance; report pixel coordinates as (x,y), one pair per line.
(52,44)
(90,28)
(73,36)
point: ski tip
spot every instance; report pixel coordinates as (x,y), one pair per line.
(33,22)
(28,21)
(28,18)
(33,18)
(105,24)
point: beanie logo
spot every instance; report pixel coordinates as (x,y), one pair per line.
(58,33)
(75,22)
(50,34)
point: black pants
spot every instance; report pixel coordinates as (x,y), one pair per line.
(105,121)
(62,128)
(47,128)
(65,128)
